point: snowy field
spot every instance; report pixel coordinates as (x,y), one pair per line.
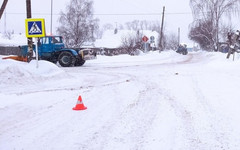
(153,101)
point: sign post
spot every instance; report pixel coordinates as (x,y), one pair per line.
(35,28)
(152,41)
(145,39)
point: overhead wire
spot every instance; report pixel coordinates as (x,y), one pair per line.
(111,14)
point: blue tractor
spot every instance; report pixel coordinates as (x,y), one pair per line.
(182,49)
(51,48)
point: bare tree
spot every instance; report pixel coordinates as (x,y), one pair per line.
(8,34)
(128,25)
(135,25)
(107,26)
(212,11)
(77,25)
(143,25)
(171,41)
(202,33)
(155,26)
(225,29)
(131,43)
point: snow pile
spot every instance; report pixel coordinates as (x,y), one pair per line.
(17,72)
(218,60)
(144,59)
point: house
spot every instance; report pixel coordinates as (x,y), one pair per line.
(112,40)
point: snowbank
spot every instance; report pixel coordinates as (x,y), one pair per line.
(17,72)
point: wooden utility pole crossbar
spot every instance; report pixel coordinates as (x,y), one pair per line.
(3,8)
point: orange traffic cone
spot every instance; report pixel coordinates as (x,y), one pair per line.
(79,105)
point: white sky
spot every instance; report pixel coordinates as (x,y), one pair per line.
(178,13)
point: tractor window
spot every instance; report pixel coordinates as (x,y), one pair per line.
(56,40)
(45,40)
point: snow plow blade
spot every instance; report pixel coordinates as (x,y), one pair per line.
(18,58)
(88,54)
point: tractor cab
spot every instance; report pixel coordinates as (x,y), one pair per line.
(49,44)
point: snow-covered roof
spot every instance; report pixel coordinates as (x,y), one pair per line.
(16,40)
(111,40)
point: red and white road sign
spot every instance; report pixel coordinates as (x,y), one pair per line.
(145,38)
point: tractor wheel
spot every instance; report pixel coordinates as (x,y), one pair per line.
(79,62)
(185,52)
(66,59)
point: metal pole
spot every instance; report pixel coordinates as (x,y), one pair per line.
(145,47)
(51,16)
(36,41)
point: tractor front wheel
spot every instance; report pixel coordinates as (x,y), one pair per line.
(66,59)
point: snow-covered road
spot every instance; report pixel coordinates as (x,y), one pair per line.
(148,102)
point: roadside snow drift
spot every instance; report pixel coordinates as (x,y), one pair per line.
(16,72)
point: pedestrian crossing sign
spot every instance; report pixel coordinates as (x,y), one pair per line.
(35,27)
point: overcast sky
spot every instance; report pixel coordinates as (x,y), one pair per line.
(178,13)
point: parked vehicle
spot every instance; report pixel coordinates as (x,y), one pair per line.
(52,48)
(182,49)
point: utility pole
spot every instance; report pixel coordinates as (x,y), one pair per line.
(29,40)
(161,34)
(51,16)
(178,36)
(4,4)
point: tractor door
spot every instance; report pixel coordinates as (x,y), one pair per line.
(45,47)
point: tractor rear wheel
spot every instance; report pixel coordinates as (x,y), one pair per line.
(66,59)
(79,62)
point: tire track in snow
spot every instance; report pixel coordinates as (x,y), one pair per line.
(117,79)
(131,124)
(186,119)
(138,116)
(128,126)
(213,123)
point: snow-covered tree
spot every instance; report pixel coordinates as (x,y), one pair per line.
(77,24)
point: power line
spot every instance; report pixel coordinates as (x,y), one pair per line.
(130,14)
(112,14)
(143,14)
(32,13)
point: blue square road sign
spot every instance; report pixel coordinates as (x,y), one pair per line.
(35,27)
